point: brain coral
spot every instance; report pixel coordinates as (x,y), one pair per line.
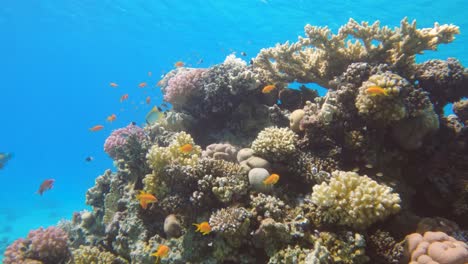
(275,144)
(353,200)
(435,247)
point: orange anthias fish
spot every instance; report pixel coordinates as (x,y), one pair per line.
(111,118)
(186,148)
(113,84)
(272,179)
(179,64)
(161,252)
(268,88)
(46,185)
(142,85)
(203,227)
(148,100)
(96,128)
(123,97)
(376,90)
(145,199)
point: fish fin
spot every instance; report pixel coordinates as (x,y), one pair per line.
(144,204)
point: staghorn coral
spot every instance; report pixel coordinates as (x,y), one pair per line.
(40,246)
(275,144)
(322,55)
(435,247)
(353,200)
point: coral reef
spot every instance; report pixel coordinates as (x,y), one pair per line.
(358,169)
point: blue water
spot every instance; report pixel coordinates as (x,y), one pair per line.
(57,59)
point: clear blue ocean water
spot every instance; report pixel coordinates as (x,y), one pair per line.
(57,59)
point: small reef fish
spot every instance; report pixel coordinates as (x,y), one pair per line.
(154,116)
(159,83)
(111,118)
(200,61)
(142,85)
(45,186)
(89,159)
(145,199)
(179,64)
(148,100)
(124,97)
(203,227)
(186,148)
(268,88)
(96,128)
(150,74)
(4,158)
(113,84)
(243,53)
(376,90)
(161,252)
(272,179)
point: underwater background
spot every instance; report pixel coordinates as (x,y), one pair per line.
(57,59)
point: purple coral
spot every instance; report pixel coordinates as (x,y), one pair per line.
(45,245)
(117,142)
(183,85)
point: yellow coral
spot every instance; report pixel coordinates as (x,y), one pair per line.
(387,108)
(274,144)
(158,157)
(353,200)
(92,255)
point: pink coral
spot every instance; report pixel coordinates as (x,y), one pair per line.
(41,246)
(184,84)
(117,142)
(435,247)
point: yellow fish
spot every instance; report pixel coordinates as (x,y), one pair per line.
(154,116)
(203,227)
(161,252)
(268,88)
(186,148)
(376,90)
(272,179)
(145,199)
